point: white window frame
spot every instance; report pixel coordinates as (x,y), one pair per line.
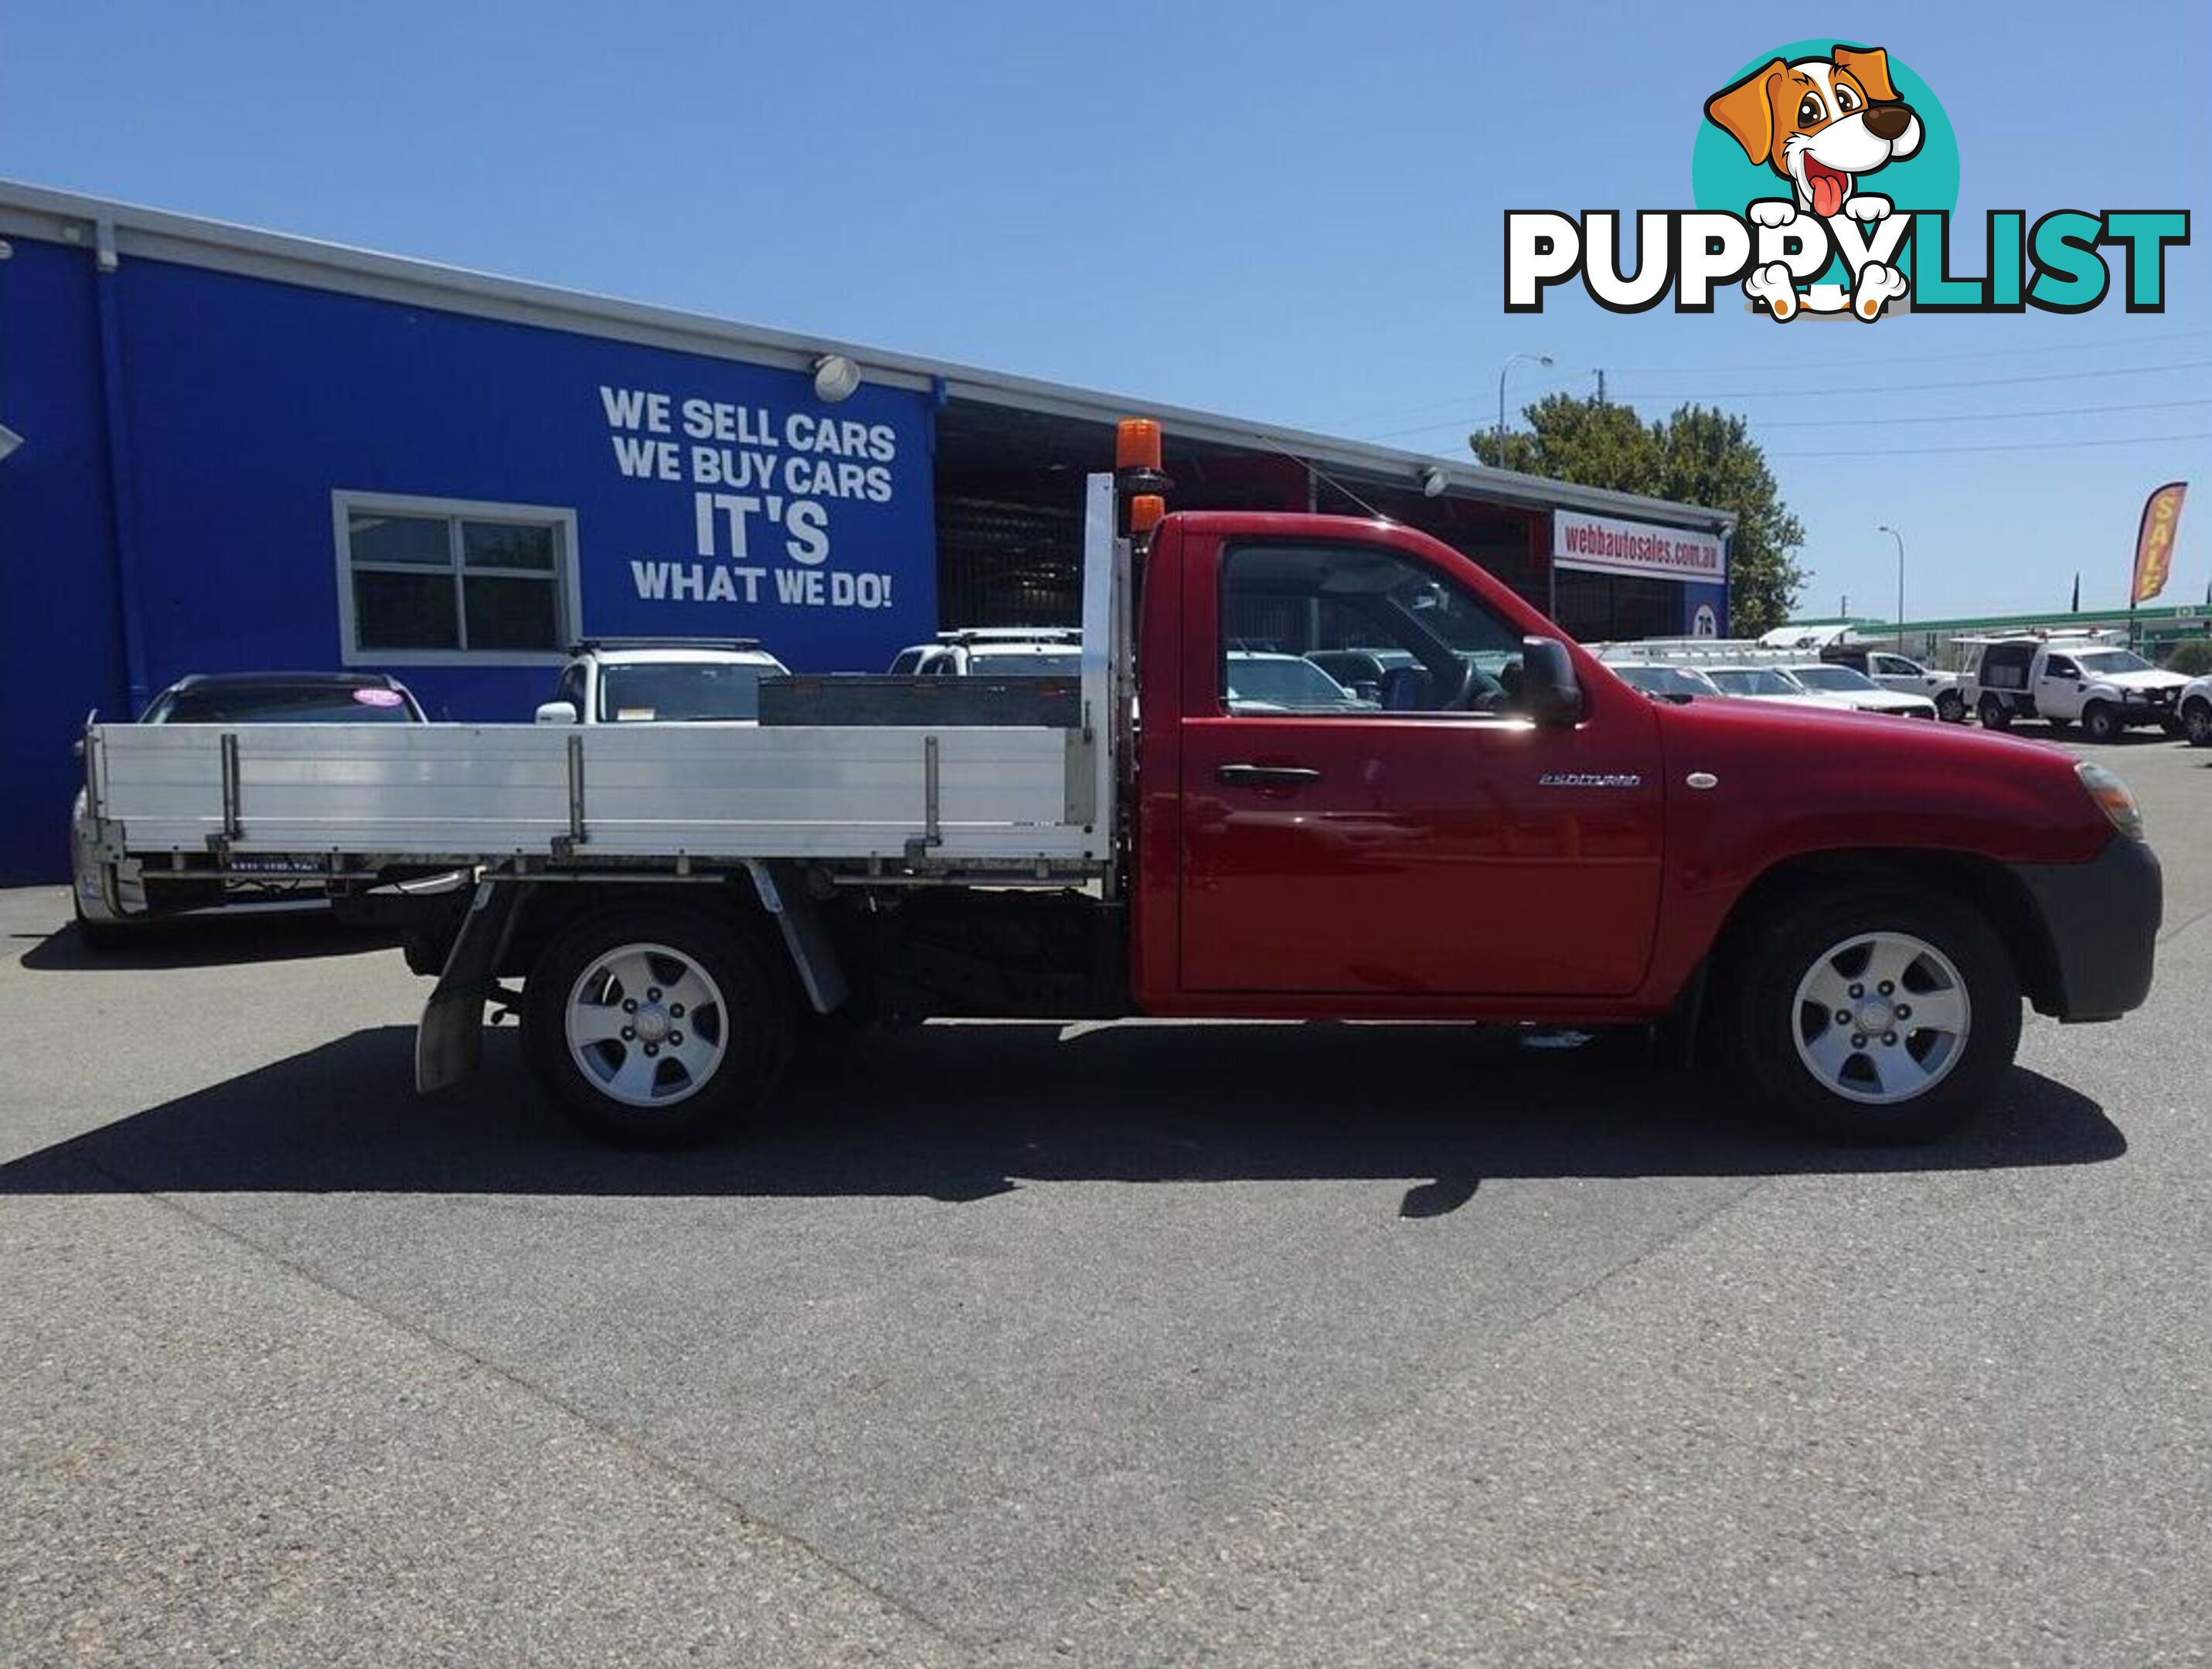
(568,600)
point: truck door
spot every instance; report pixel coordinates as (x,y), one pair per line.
(1435,843)
(2058,688)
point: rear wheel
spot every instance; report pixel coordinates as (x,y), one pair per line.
(2100,723)
(1994,714)
(101,936)
(2197,724)
(1877,1016)
(650,1028)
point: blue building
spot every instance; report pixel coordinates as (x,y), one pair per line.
(224,450)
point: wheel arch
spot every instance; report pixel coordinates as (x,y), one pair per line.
(767,901)
(1984,884)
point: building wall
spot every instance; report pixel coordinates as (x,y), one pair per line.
(243,406)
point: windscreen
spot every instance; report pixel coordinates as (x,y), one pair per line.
(2113,660)
(1666,680)
(997,663)
(679,692)
(284,704)
(1754,680)
(1840,678)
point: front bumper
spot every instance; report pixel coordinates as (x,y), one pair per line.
(2101,918)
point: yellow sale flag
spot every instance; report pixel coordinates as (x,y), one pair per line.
(2161,518)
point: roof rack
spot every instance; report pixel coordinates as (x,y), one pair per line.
(1702,651)
(585,646)
(1012,634)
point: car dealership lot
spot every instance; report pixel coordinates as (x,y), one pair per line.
(1142,1343)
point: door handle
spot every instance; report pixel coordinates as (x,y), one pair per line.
(1264,776)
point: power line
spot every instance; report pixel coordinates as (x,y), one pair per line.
(1931,359)
(1772,393)
(2016,446)
(1977,416)
(1459,402)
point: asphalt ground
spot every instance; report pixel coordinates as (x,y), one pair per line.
(1141,1343)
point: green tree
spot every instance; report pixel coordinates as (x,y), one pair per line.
(1696,456)
(2192,656)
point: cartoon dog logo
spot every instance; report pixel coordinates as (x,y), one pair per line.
(1822,123)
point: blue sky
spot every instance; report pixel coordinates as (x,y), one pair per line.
(1287,212)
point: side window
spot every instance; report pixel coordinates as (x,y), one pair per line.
(570,688)
(2058,666)
(1295,618)
(1889,666)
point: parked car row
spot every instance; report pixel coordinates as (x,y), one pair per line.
(1676,669)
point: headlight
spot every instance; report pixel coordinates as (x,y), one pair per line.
(2114,796)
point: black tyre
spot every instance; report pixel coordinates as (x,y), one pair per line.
(1876,1015)
(2100,723)
(2197,724)
(1994,714)
(1951,708)
(651,1027)
(100,937)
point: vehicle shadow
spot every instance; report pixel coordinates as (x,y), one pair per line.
(207,942)
(964,1113)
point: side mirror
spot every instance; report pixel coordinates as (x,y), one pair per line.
(557,713)
(1548,688)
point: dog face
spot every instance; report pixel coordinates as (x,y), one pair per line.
(1819,123)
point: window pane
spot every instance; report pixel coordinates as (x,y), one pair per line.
(504,545)
(512,613)
(1299,620)
(376,537)
(404,611)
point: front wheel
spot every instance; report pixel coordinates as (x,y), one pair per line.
(1951,708)
(1994,714)
(2100,723)
(2197,724)
(651,1028)
(1877,1016)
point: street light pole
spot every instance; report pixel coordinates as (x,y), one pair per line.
(1539,358)
(1900,538)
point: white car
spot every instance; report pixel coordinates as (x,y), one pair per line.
(995,652)
(1856,690)
(1894,671)
(1664,682)
(1259,682)
(661,681)
(2196,712)
(1768,683)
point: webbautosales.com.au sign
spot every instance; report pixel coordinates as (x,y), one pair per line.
(1825,176)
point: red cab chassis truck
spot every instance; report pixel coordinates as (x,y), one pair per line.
(1848,909)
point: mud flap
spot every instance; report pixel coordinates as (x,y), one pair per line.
(449,1039)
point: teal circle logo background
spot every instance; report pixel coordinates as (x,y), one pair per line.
(1722,177)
